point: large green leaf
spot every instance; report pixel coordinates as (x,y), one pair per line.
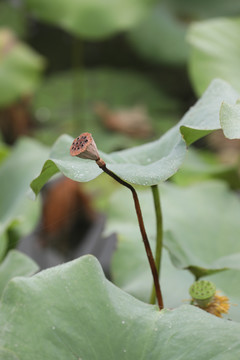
(16,173)
(203,220)
(160,38)
(77,314)
(150,163)
(215,52)
(20,69)
(15,264)
(230,120)
(91,19)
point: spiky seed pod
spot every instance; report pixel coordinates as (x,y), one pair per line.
(202,292)
(84,147)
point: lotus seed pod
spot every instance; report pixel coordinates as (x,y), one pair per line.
(84,147)
(202,292)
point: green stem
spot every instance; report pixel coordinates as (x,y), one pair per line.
(159,236)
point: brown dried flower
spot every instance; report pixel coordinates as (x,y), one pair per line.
(84,147)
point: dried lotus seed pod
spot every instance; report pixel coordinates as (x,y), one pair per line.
(84,147)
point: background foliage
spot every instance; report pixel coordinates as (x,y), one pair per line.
(147,79)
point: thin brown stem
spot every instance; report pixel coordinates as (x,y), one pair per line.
(152,264)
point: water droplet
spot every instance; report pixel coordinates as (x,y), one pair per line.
(123,322)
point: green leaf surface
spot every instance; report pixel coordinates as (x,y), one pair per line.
(16,172)
(150,163)
(91,19)
(230,120)
(215,52)
(191,136)
(77,314)
(204,227)
(209,239)
(47,172)
(20,69)
(8,355)
(15,264)
(160,38)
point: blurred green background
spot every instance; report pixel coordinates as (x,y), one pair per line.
(129,69)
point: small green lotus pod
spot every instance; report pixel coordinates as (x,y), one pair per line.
(202,292)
